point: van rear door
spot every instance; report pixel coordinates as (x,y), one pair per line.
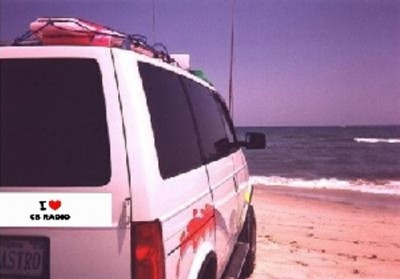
(62,153)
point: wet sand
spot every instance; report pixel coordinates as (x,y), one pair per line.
(305,233)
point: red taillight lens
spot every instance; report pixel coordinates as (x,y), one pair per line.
(147,250)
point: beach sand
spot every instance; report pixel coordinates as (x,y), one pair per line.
(305,233)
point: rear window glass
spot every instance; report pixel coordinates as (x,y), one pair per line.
(53,127)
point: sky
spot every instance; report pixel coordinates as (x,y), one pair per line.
(296,62)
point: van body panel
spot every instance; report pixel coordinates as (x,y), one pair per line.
(222,184)
(87,252)
(243,186)
(177,201)
(185,229)
(141,155)
(82,252)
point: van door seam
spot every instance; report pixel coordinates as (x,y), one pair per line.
(197,132)
(123,119)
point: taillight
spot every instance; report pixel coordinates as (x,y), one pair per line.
(147,250)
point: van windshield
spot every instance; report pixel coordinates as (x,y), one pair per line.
(53,127)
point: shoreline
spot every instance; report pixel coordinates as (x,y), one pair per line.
(378,186)
(345,196)
(326,233)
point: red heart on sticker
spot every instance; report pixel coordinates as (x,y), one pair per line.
(55,204)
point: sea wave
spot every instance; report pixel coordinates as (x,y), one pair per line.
(391,187)
(376,140)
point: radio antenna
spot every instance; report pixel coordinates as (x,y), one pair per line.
(231,60)
(154,20)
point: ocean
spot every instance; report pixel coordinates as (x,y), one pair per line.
(365,158)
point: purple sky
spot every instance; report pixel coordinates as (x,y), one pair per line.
(297,62)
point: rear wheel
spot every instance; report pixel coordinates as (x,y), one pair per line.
(209,268)
(249,235)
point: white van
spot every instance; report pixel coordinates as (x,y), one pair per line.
(115,164)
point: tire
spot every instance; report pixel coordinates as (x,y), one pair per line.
(209,268)
(249,235)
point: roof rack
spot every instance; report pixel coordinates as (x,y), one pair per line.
(76,31)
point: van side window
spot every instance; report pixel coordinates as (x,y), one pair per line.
(213,138)
(175,136)
(230,131)
(53,123)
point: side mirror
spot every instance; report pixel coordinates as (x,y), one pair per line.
(254,141)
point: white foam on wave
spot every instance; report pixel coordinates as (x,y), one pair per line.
(376,140)
(391,187)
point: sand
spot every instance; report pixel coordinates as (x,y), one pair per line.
(326,234)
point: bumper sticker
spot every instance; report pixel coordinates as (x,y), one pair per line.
(55,209)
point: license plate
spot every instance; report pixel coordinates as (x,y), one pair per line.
(24,257)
